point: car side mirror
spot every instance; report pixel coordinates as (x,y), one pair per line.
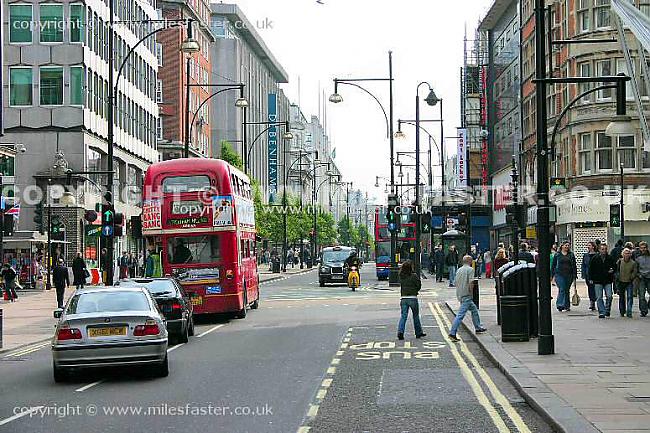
(58,312)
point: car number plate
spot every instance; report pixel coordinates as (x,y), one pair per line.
(106,332)
(197,300)
(337,277)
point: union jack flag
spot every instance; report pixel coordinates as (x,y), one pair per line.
(15,210)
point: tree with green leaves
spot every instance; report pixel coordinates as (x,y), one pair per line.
(229,155)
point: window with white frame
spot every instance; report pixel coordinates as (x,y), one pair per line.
(604,160)
(20,23)
(159,128)
(604,67)
(51,22)
(621,67)
(159,92)
(77,22)
(646,160)
(602,14)
(51,85)
(585,143)
(627,151)
(644,6)
(159,54)
(20,86)
(583,16)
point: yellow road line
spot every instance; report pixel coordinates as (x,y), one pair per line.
(344,346)
(339,353)
(471,379)
(321,394)
(336,361)
(29,349)
(326,383)
(313,410)
(494,390)
(304,429)
(331,370)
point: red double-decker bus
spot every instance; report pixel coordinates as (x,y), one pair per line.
(405,242)
(198,217)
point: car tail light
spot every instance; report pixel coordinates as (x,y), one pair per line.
(150,327)
(68,334)
(176,306)
(229,274)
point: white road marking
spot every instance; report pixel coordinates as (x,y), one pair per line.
(20,415)
(175,347)
(214,328)
(90,385)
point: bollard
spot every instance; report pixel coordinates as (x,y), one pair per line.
(1,317)
(475,293)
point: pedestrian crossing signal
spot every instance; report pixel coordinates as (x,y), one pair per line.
(614,215)
(425,223)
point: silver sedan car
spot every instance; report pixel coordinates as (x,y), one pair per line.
(110,326)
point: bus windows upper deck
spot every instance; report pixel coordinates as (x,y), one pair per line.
(178,184)
(194,249)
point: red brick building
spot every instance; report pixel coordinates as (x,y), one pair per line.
(172,79)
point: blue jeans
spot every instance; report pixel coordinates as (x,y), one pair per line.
(413,304)
(466,303)
(625,290)
(563,286)
(452,274)
(603,307)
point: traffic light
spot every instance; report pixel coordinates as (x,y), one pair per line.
(107,221)
(393,219)
(614,215)
(8,225)
(38,217)
(425,223)
(90,216)
(118,224)
(136,227)
(57,228)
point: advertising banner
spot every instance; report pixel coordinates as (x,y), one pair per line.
(461,168)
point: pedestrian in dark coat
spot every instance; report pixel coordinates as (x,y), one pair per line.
(79,271)
(9,276)
(601,274)
(586,258)
(61,281)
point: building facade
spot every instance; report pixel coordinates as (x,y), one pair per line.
(240,55)
(500,32)
(176,71)
(56,102)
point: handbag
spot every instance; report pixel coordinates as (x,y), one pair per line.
(575,299)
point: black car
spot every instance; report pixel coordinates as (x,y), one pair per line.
(173,302)
(332,267)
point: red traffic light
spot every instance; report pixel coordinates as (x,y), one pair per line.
(90,216)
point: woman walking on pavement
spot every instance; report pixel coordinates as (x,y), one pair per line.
(601,275)
(626,275)
(563,271)
(9,276)
(586,258)
(79,271)
(410,286)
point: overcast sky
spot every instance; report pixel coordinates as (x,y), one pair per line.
(351,39)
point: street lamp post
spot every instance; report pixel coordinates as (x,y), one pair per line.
(314,204)
(287,136)
(431,100)
(620,125)
(622,202)
(190,45)
(336,98)
(241,102)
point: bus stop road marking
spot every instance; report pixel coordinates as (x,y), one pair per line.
(214,328)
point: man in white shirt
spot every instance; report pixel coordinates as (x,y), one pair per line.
(464,278)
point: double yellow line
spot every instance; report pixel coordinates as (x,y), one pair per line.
(27,350)
(469,374)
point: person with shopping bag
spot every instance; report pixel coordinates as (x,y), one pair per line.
(564,270)
(79,271)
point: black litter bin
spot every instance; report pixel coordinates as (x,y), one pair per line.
(514,316)
(531,275)
(475,292)
(276,266)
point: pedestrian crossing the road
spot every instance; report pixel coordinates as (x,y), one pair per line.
(314,292)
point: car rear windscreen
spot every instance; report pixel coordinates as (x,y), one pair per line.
(108,301)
